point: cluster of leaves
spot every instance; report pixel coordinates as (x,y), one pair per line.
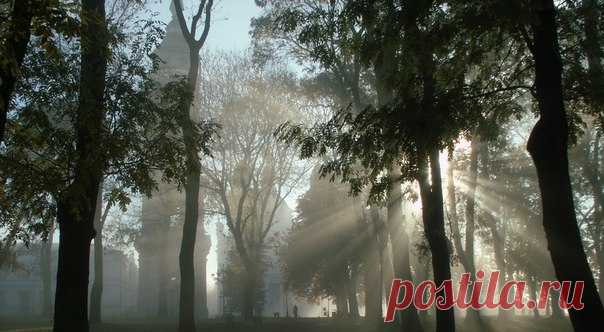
(49,18)
(366,140)
(141,128)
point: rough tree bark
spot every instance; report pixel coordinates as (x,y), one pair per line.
(77,204)
(15,46)
(547,146)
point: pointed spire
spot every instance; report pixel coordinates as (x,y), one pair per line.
(173,10)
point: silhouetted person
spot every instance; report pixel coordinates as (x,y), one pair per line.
(295,312)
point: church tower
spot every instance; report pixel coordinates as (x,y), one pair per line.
(163,215)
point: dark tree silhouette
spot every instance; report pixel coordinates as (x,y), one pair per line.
(548,144)
(77,205)
(186,321)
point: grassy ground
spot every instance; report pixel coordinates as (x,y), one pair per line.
(289,325)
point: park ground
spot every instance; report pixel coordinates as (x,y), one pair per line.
(290,325)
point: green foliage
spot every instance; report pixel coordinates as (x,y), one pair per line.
(399,130)
(140,138)
(51,20)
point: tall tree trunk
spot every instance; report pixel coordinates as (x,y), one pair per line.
(189,232)
(466,253)
(553,298)
(164,277)
(96,293)
(342,298)
(387,265)
(547,146)
(533,291)
(373,273)
(77,205)
(434,228)
(352,286)
(201,261)
(498,235)
(499,250)
(590,166)
(249,293)
(96,296)
(471,204)
(423,274)
(13,52)
(250,261)
(593,51)
(186,318)
(600,257)
(399,240)
(46,272)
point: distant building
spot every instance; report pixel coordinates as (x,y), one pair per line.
(21,286)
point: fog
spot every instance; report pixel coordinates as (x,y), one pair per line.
(283,165)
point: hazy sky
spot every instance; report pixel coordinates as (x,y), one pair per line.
(230,22)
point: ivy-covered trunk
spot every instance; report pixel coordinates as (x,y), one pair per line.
(547,145)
